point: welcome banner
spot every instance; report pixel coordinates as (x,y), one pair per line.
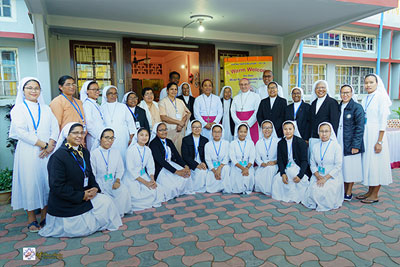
(252,68)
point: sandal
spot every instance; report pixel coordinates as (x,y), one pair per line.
(369,201)
(43,223)
(34,223)
(364,196)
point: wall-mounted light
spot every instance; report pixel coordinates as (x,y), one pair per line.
(197,19)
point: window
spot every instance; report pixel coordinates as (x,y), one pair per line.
(310,74)
(8,72)
(329,39)
(353,75)
(93,61)
(358,42)
(5,8)
(311,41)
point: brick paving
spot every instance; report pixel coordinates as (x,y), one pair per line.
(226,230)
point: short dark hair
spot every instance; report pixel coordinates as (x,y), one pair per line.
(63,79)
(371,75)
(273,83)
(202,83)
(145,90)
(219,126)
(170,84)
(106,130)
(74,126)
(174,73)
(243,125)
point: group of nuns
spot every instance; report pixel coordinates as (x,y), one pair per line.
(128,168)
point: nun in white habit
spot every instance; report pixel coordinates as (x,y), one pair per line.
(118,117)
(325,191)
(227,121)
(242,154)
(139,176)
(291,182)
(266,158)
(108,168)
(217,158)
(36,129)
(93,115)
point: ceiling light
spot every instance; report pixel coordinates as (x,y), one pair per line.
(196,19)
(201,27)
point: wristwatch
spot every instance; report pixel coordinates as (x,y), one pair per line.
(380,143)
(46,146)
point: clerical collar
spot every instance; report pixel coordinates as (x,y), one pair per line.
(322,98)
(272,97)
(246,92)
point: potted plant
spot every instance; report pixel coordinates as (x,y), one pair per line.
(5,186)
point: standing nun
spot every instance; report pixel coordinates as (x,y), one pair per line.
(325,191)
(138,114)
(350,137)
(139,176)
(193,154)
(94,117)
(299,111)
(171,171)
(323,109)
(76,207)
(117,117)
(108,168)
(376,158)
(207,108)
(266,158)
(227,121)
(242,154)
(36,129)
(291,182)
(187,97)
(217,158)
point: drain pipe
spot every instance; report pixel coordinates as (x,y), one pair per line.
(300,69)
(378,59)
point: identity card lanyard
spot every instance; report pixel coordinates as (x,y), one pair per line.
(35,125)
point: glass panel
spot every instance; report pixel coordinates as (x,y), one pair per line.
(85,71)
(6,11)
(83,54)
(8,57)
(10,88)
(6,2)
(102,55)
(10,73)
(103,72)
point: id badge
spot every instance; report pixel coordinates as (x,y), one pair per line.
(216,164)
(321,170)
(137,125)
(289,164)
(243,163)
(86,181)
(142,172)
(365,120)
(178,116)
(108,177)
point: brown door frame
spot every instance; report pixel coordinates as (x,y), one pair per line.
(206,56)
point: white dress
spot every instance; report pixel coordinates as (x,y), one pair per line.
(94,122)
(214,156)
(226,123)
(106,176)
(242,152)
(207,109)
(376,167)
(103,216)
(173,184)
(118,117)
(30,186)
(331,195)
(291,192)
(352,164)
(266,150)
(199,177)
(141,196)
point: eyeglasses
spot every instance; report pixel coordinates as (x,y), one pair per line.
(78,133)
(324,132)
(296,93)
(196,127)
(320,88)
(267,76)
(96,90)
(109,138)
(70,84)
(32,88)
(345,93)
(162,130)
(267,128)
(115,94)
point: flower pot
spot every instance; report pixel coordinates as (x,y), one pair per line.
(5,197)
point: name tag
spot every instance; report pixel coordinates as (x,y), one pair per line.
(86,181)
(178,116)
(289,164)
(365,120)
(108,177)
(321,170)
(137,125)
(243,163)
(216,164)
(142,172)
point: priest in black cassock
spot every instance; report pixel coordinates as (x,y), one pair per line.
(273,108)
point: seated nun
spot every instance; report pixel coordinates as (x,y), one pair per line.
(75,206)
(291,182)
(193,154)
(217,158)
(325,191)
(139,176)
(266,158)
(242,154)
(171,171)
(108,168)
